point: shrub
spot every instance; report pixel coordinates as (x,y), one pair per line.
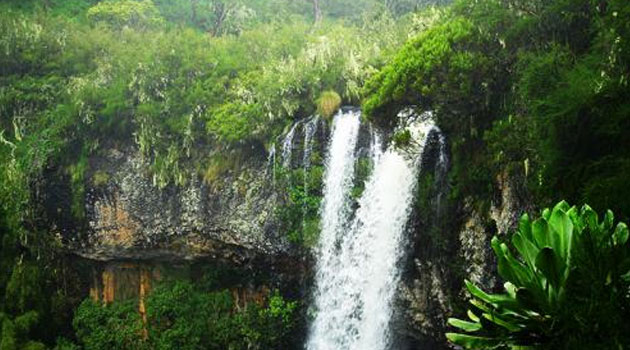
(114,326)
(565,289)
(328,103)
(137,14)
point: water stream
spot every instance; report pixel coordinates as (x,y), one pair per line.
(358,257)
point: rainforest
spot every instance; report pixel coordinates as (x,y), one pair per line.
(314,174)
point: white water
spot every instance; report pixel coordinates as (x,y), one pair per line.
(358,262)
(271,162)
(335,212)
(287,146)
(309,130)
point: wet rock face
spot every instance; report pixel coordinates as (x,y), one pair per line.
(448,244)
(130,218)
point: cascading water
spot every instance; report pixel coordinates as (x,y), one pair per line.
(309,131)
(271,162)
(441,170)
(358,262)
(375,145)
(287,146)
(335,211)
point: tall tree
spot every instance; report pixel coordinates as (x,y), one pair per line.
(193,10)
(317,11)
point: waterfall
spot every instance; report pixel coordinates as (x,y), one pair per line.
(335,212)
(271,162)
(375,145)
(309,130)
(287,146)
(441,169)
(358,261)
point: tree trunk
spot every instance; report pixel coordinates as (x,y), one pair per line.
(220,13)
(193,10)
(317,11)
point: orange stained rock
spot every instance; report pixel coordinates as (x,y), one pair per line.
(114,224)
(109,286)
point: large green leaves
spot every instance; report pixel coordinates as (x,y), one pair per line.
(537,272)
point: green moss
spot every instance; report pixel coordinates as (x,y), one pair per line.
(221,164)
(363,170)
(299,216)
(100,178)
(77,173)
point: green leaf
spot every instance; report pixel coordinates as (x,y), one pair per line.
(576,219)
(607,222)
(589,216)
(473,342)
(480,305)
(561,206)
(503,322)
(527,299)
(496,300)
(464,325)
(546,213)
(525,227)
(510,268)
(526,248)
(510,289)
(548,263)
(561,237)
(540,230)
(620,236)
(472,316)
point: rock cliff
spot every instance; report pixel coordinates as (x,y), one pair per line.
(132,228)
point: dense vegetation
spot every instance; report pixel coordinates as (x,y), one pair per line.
(183,316)
(184,82)
(535,89)
(538,90)
(566,289)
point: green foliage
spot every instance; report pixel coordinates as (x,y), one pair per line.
(81,76)
(137,14)
(183,316)
(441,63)
(328,103)
(402,138)
(564,289)
(100,178)
(267,327)
(300,213)
(363,170)
(77,184)
(14,332)
(234,122)
(94,85)
(535,87)
(65,344)
(113,326)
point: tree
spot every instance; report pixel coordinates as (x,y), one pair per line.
(220,17)
(137,14)
(317,11)
(14,332)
